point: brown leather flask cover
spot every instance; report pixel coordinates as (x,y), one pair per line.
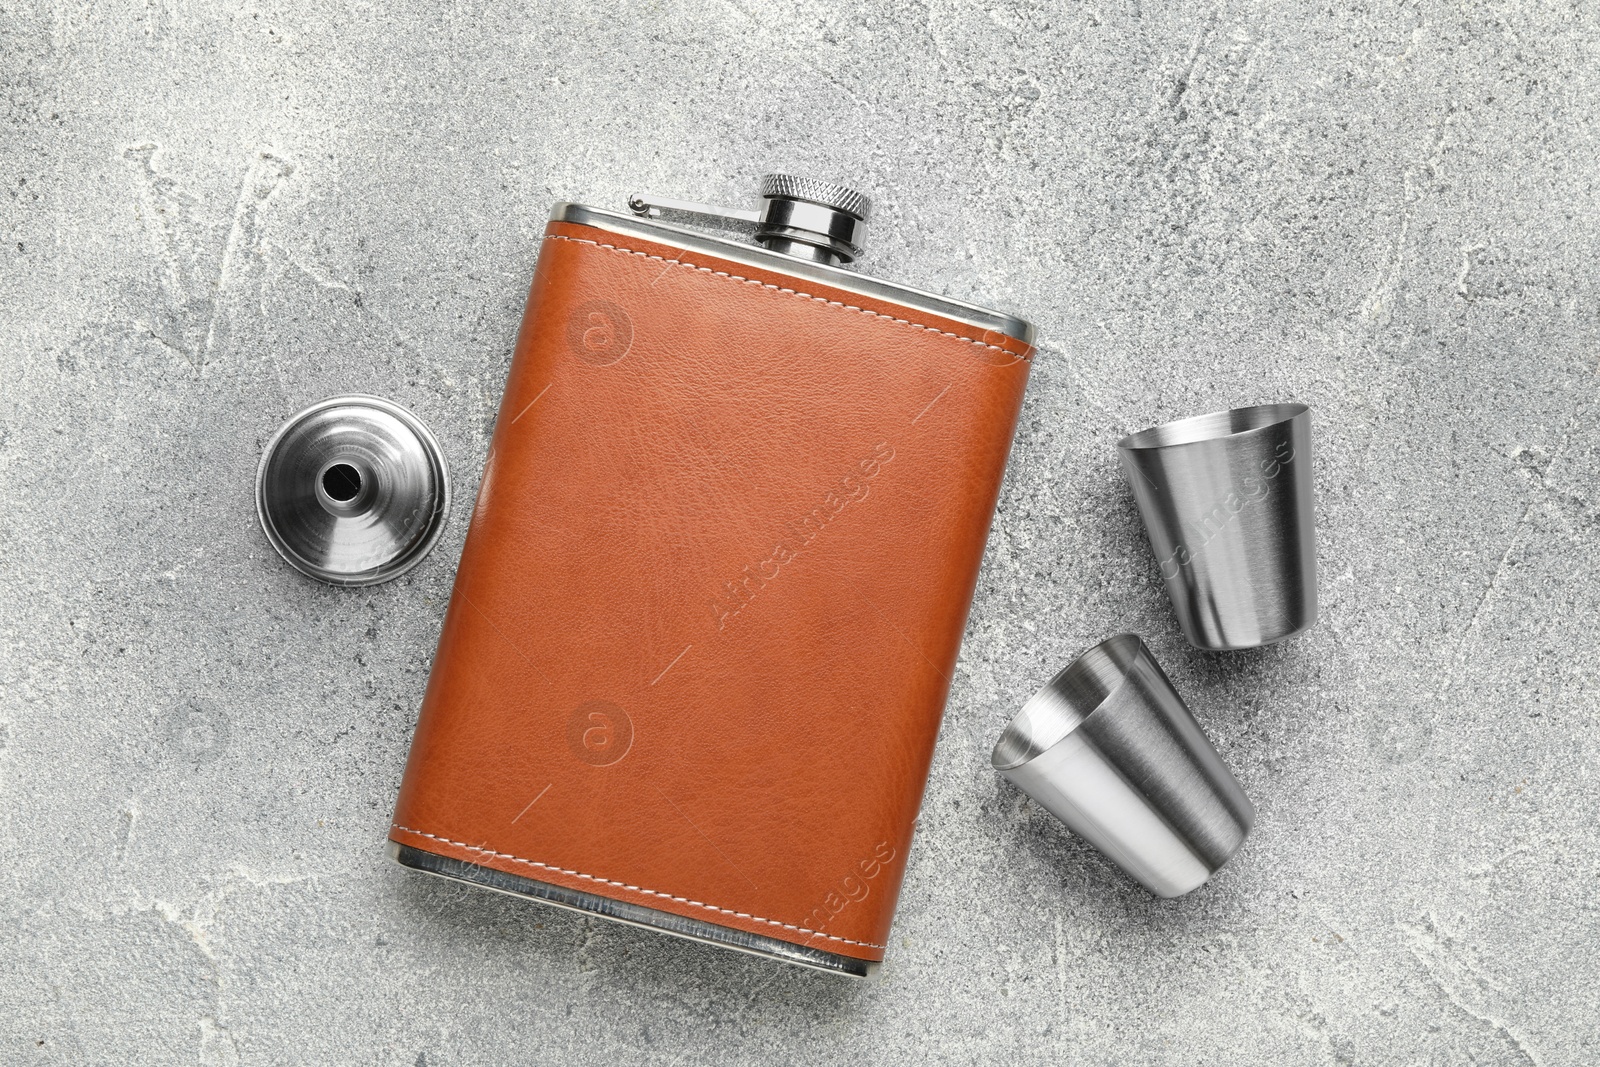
(710,602)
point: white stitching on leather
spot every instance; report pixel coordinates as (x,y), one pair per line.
(791,292)
(634,888)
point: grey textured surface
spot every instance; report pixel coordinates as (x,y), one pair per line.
(216,214)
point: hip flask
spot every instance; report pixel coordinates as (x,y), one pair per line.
(709,606)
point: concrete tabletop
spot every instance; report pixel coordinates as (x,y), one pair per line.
(216,214)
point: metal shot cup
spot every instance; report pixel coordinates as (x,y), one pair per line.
(1108,747)
(1227,503)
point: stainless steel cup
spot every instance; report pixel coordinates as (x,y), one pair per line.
(1227,502)
(1110,749)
